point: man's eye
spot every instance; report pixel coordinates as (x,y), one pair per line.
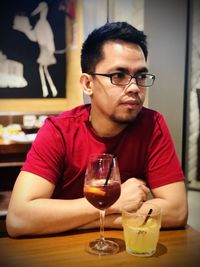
(119,75)
(141,76)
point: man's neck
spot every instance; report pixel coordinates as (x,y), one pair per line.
(104,127)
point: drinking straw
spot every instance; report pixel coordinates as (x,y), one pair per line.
(109,172)
(148,215)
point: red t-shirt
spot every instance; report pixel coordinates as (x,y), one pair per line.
(144,150)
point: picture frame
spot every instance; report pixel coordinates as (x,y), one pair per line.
(33,62)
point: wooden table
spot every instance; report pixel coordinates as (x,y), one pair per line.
(176,248)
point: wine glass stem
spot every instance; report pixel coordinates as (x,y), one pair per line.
(102,216)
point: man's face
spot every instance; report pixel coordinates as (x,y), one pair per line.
(120,104)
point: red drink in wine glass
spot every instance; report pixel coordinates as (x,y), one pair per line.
(102,188)
(102,196)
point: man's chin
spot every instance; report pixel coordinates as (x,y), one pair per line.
(124,119)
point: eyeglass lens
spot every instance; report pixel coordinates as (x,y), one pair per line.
(125,79)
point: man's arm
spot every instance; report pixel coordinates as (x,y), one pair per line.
(172,199)
(31,211)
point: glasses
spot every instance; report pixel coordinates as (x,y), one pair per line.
(121,79)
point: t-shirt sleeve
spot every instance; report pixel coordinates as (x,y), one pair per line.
(46,155)
(163,165)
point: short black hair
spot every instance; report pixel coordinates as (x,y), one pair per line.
(91,52)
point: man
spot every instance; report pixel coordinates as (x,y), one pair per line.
(48,194)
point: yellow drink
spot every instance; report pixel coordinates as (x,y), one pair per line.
(141,239)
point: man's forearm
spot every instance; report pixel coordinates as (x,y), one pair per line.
(172,199)
(172,216)
(46,216)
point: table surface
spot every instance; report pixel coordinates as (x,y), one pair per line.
(175,248)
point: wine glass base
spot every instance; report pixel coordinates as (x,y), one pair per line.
(102,247)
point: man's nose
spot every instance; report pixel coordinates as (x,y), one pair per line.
(132,87)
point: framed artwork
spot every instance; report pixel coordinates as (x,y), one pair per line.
(32,49)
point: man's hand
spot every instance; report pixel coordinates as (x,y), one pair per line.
(133,193)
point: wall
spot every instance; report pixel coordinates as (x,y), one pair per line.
(165,24)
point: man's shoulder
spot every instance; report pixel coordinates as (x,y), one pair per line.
(69,120)
(79,113)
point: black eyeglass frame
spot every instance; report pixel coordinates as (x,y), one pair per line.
(136,76)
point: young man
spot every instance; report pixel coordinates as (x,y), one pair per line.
(48,194)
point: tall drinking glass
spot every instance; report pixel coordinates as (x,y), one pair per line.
(102,188)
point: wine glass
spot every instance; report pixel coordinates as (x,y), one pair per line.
(102,188)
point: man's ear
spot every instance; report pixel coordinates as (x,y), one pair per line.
(86,81)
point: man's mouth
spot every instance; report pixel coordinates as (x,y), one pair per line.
(130,104)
